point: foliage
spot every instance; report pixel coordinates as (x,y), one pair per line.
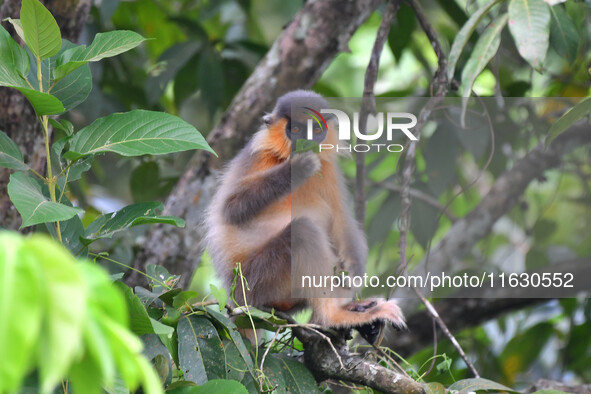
(64,319)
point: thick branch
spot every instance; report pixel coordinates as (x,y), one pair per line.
(318,32)
(321,359)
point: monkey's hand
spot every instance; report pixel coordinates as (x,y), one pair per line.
(303,166)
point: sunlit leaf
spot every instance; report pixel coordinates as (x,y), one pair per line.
(136,133)
(104,45)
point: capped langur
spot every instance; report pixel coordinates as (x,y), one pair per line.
(284,215)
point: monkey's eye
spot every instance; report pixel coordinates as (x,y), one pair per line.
(317,130)
(295,129)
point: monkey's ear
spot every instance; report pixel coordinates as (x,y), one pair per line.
(268,119)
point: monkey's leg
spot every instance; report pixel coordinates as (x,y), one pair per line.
(268,273)
(332,312)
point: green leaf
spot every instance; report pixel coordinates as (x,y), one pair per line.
(304,145)
(132,215)
(233,333)
(169,64)
(235,365)
(74,88)
(104,45)
(10,77)
(221,386)
(464,35)
(529,23)
(62,124)
(139,320)
(220,295)
(485,49)
(298,378)
(10,154)
(65,297)
(201,353)
(524,349)
(20,284)
(11,53)
(41,31)
(569,118)
(564,37)
(401,32)
(27,196)
(183,298)
(475,384)
(43,103)
(137,133)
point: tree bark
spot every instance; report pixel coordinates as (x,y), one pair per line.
(308,44)
(17,118)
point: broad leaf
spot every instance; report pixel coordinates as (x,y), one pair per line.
(132,215)
(20,284)
(43,103)
(65,296)
(74,88)
(136,133)
(27,196)
(529,23)
(41,31)
(170,62)
(298,378)
(10,154)
(574,114)
(401,32)
(13,54)
(564,37)
(484,50)
(10,77)
(200,331)
(104,45)
(475,384)
(464,35)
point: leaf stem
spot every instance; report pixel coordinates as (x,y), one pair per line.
(50,180)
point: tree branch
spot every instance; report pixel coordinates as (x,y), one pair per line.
(368,104)
(321,359)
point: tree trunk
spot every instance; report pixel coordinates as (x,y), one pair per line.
(308,44)
(17,117)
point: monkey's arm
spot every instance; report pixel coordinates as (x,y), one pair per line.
(256,192)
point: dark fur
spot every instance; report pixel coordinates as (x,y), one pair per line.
(251,197)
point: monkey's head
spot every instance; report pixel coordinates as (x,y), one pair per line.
(290,120)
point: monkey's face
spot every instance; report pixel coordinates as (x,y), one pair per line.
(300,129)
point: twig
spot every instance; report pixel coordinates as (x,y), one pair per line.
(439,84)
(267,352)
(368,104)
(446,331)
